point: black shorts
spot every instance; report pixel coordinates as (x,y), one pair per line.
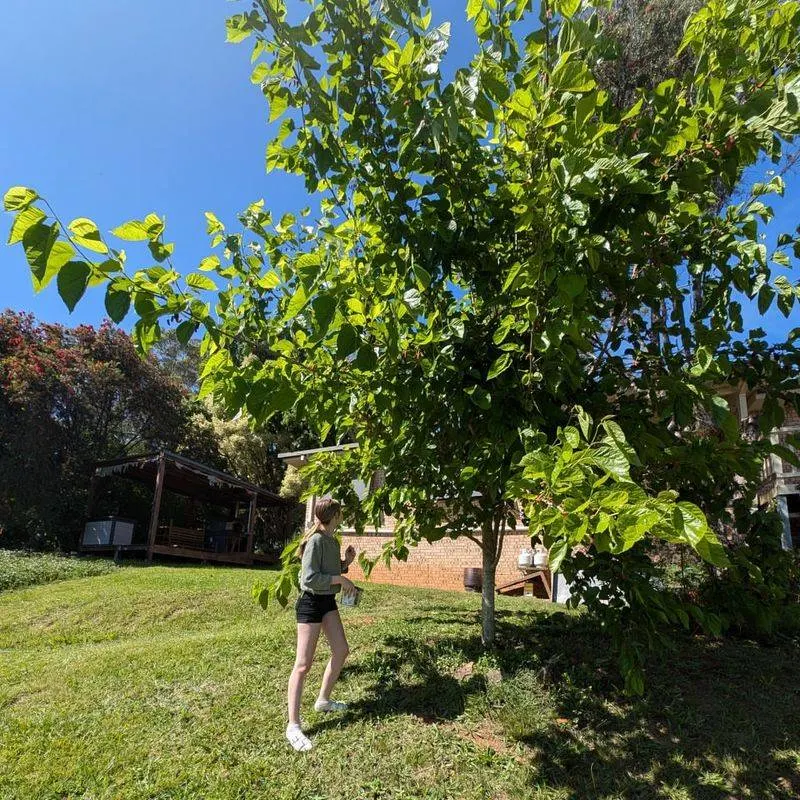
(312,607)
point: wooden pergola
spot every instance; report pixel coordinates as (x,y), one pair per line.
(170,472)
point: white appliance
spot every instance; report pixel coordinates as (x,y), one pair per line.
(109,531)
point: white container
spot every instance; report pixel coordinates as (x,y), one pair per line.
(541,558)
(525,559)
(350,600)
(108,531)
(98,532)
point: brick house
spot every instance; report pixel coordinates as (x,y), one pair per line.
(441,565)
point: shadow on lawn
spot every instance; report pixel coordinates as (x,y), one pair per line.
(720,720)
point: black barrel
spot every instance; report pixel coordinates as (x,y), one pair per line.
(473,579)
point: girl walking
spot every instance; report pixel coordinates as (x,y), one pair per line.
(320,578)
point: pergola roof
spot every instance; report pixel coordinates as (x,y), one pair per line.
(189,478)
(298,457)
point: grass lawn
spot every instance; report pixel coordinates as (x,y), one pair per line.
(167,682)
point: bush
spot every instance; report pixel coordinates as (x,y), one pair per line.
(19,568)
(759,595)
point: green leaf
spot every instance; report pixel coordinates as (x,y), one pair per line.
(72,281)
(765,297)
(132,231)
(347,341)
(209,264)
(675,144)
(468,473)
(614,500)
(269,280)
(779,257)
(634,526)
(154,226)
(703,359)
(278,103)
(567,8)
(558,551)
(160,251)
(712,551)
(585,422)
(38,242)
(511,276)
(573,76)
(473,8)
(571,436)
(24,220)
(715,87)
(480,397)
(283,397)
(213,224)
(308,266)
(572,285)
(551,120)
(259,73)
(60,253)
(237,28)
(366,358)
(200,282)
(423,277)
(145,334)
(500,365)
(118,304)
(18,198)
(324,309)
(617,436)
(86,234)
(611,459)
(691,523)
(297,302)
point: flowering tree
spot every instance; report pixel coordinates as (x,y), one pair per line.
(69,397)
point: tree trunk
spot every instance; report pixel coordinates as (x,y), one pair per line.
(488,549)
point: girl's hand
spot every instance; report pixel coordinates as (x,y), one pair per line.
(349,555)
(347,585)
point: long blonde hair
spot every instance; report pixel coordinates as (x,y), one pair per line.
(325,510)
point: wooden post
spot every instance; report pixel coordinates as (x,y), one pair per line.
(151,536)
(251,521)
(90,502)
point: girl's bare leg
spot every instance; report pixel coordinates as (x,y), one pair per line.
(334,633)
(307,638)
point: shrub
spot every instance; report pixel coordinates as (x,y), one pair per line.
(19,568)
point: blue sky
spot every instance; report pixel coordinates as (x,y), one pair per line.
(113,110)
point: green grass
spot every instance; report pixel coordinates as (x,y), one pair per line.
(169,683)
(27,569)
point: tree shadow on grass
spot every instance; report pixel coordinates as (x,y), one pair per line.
(720,720)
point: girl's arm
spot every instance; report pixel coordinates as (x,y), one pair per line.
(349,557)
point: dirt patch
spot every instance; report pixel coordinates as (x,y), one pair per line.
(488,736)
(464,671)
(361,621)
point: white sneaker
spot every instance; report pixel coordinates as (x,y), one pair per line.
(297,739)
(329,705)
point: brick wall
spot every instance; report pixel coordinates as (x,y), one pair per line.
(434,566)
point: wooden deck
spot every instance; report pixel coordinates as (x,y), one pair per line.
(535,577)
(202,555)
